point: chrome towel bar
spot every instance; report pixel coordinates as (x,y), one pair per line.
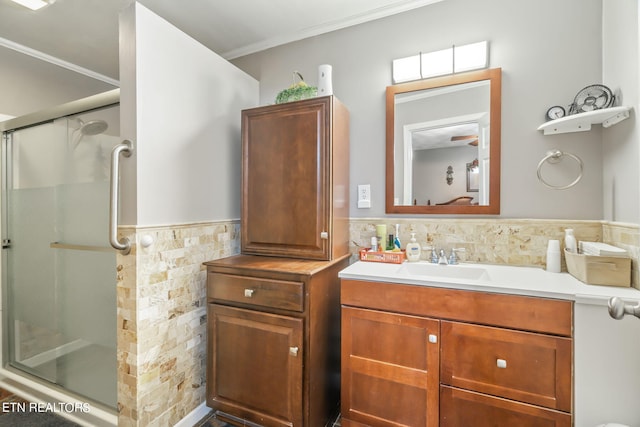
(617,308)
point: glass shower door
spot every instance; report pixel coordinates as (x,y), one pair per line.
(60,271)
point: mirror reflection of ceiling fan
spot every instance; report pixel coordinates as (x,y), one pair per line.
(472,139)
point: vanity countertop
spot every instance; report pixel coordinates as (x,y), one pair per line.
(505,279)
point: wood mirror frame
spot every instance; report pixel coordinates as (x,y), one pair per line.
(494,75)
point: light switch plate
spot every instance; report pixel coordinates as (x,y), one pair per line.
(364,196)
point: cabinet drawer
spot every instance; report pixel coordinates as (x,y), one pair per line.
(461,408)
(547,316)
(524,366)
(256,291)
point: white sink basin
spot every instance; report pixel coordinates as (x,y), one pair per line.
(461,271)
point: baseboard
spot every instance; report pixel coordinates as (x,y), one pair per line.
(194,416)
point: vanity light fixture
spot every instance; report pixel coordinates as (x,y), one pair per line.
(456,59)
(34,4)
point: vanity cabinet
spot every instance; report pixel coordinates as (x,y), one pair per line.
(273,340)
(295,179)
(390,369)
(428,356)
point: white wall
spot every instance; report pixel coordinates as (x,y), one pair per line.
(548,51)
(620,148)
(606,366)
(181,106)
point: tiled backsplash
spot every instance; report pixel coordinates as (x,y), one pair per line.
(161,291)
(500,241)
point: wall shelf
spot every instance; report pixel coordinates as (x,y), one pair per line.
(582,122)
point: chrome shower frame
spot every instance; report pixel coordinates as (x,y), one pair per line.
(12,379)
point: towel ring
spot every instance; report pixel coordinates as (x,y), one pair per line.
(554,156)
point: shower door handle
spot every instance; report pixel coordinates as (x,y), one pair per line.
(125,148)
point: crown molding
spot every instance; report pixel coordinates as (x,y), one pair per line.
(381,12)
(57,61)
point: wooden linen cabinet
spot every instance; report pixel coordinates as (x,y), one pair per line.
(274,311)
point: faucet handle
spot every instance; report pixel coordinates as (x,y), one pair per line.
(434,255)
(453,258)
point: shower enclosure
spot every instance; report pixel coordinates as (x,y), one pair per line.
(59,272)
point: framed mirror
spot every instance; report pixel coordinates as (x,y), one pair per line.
(443,144)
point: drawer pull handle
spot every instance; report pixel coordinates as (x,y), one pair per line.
(248,293)
(501,363)
(293,351)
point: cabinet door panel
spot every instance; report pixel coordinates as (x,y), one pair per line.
(461,408)
(389,369)
(255,365)
(285,180)
(524,366)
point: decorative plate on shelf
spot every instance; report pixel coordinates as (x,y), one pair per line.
(591,98)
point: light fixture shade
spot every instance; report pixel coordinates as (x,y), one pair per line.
(472,56)
(33,4)
(456,59)
(406,69)
(437,63)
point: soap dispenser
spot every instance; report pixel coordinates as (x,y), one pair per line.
(413,249)
(570,243)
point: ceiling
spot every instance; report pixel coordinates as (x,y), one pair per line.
(84,33)
(458,135)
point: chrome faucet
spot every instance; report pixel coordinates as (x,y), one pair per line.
(453,258)
(434,255)
(442,259)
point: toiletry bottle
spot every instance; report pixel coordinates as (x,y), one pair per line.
(553,256)
(390,244)
(413,249)
(396,243)
(374,244)
(381,233)
(570,243)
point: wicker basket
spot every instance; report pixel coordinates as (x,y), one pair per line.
(599,270)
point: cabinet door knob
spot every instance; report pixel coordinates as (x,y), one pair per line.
(433,338)
(293,351)
(501,363)
(324,235)
(248,293)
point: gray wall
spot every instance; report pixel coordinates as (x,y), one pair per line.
(548,50)
(28,84)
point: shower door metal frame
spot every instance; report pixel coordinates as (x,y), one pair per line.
(99,101)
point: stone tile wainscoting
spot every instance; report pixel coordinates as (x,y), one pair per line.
(161,291)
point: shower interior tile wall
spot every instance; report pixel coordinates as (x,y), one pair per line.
(161,293)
